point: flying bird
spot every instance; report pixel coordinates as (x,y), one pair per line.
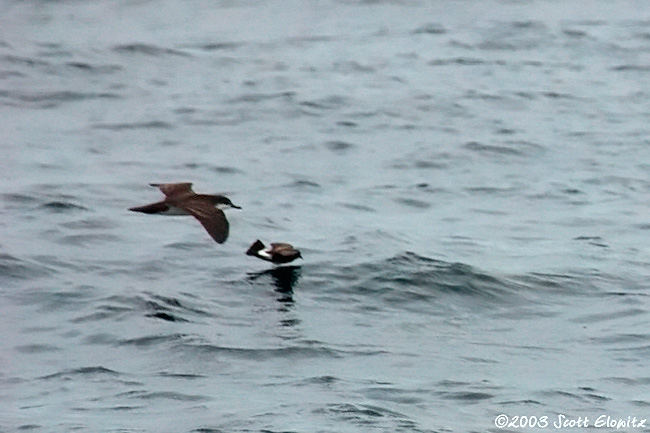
(180,199)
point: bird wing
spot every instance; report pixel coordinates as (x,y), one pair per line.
(211,218)
(175,189)
(255,248)
(282,249)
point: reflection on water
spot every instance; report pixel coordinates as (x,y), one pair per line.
(284,279)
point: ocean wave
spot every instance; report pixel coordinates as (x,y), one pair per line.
(414,282)
(409,280)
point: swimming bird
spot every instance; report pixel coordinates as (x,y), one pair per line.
(276,253)
(181,200)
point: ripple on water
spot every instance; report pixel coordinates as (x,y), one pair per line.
(370,415)
(95,371)
(52,99)
(149,50)
(150,124)
(149,305)
(62,206)
(37,348)
(165,395)
(290,352)
(508,148)
(14,269)
(19,198)
(412,281)
(88,239)
(339,147)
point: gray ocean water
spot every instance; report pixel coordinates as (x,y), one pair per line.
(468,182)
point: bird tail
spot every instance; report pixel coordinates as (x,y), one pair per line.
(151,208)
(257,246)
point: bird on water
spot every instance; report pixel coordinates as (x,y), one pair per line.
(277,253)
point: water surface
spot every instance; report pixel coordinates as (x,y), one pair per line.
(467,181)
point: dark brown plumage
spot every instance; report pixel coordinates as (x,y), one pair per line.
(180,199)
(277,252)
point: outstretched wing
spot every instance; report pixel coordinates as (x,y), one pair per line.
(174,189)
(212,219)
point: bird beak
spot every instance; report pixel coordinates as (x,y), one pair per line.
(236,207)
